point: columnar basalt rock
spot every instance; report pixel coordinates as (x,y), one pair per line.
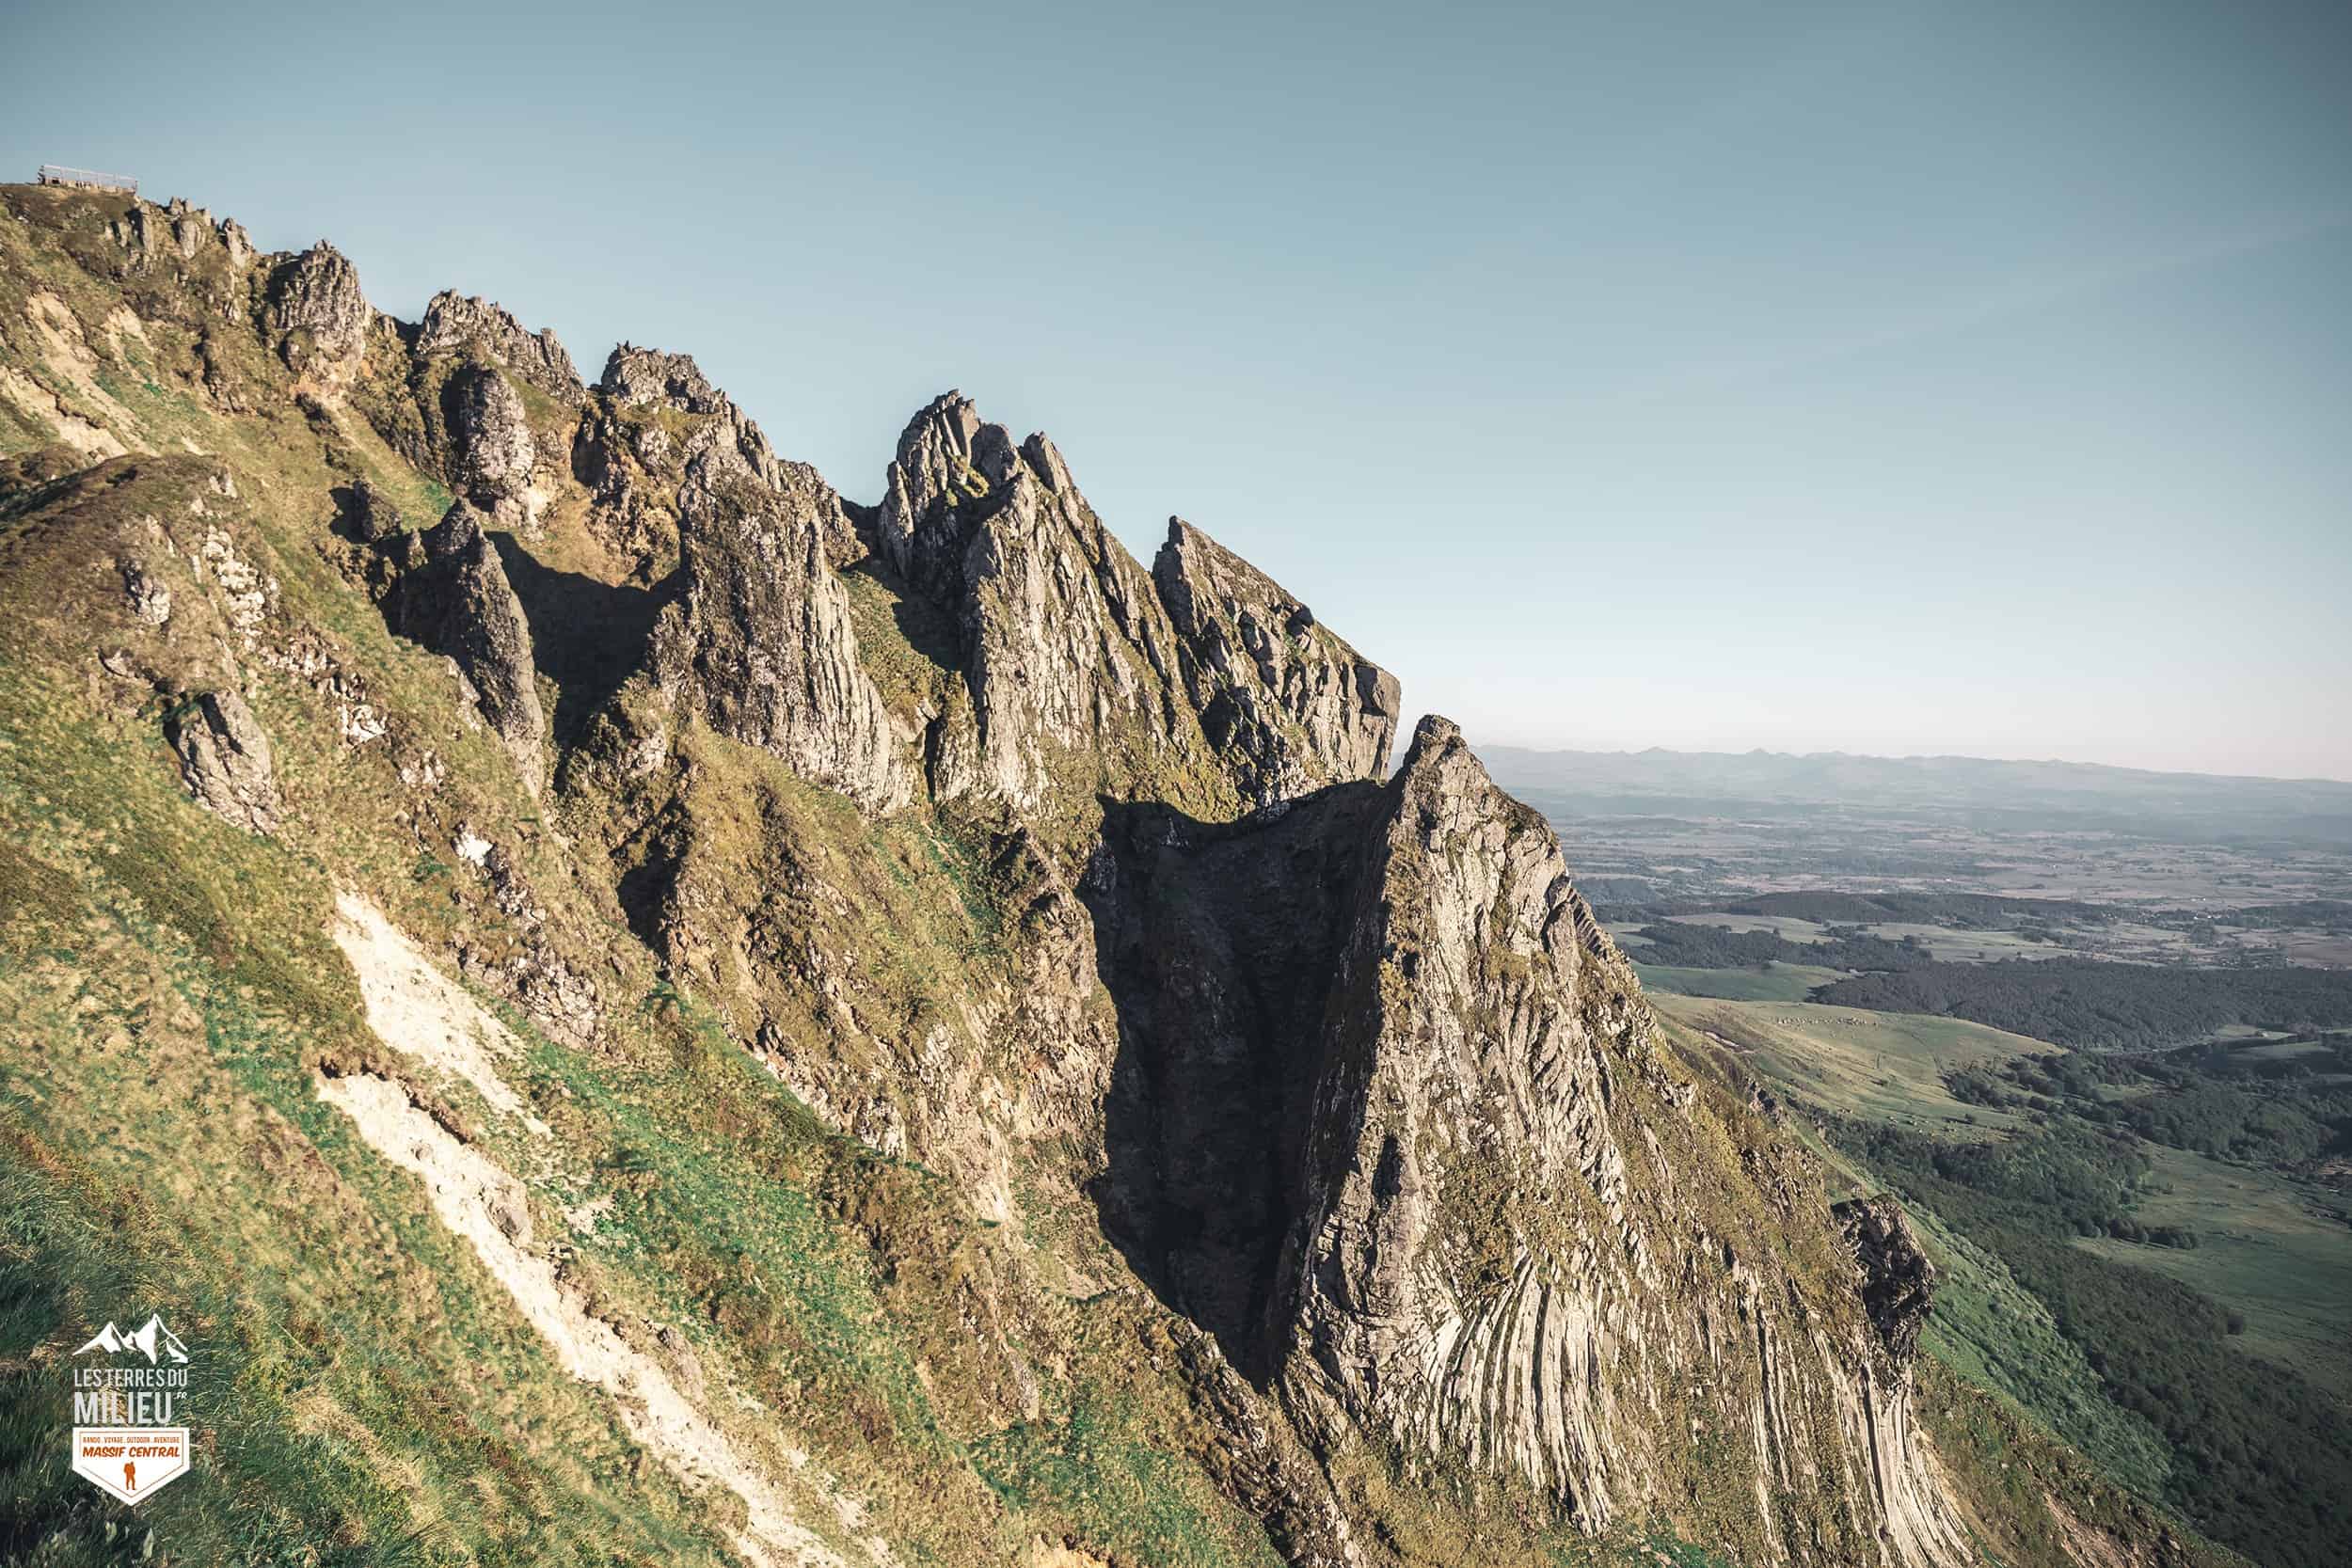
(1391,1122)
(1289,703)
(1508,1241)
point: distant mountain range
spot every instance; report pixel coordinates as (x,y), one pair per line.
(2010,794)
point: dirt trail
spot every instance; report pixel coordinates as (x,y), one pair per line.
(481,1202)
(417,1010)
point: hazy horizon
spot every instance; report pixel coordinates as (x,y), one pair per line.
(1891,380)
(1478,741)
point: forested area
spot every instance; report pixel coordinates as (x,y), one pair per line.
(1962,912)
(2262,1458)
(2208,1099)
(2080,1002)
(1682,942)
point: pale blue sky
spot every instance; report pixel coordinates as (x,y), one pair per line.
(1969,377)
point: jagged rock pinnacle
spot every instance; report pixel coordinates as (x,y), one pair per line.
(634,376)
(317,316)
(460,324)
(1288,704)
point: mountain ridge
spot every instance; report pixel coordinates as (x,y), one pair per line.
(979,1030)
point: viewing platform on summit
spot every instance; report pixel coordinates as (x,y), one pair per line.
(88,179)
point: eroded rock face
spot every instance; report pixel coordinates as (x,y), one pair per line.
(1067,657)
(760,638)
(1205,670)
(316,317)
(1286,703)
(636,467)
(495,448)
(1897,1281)
(476,328)
(224,759)
(927,520)
(1218,943)
(451,595)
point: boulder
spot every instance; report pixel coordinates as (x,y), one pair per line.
(371,514)
(224,759)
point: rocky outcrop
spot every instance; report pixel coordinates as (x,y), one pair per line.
(1067,657)
(636,377)
(496,451)
(451,594)
(928,512)
(476,329)
(224,759)
(372,516)
(1897,1281)
(1286,703)
(636,462)
(316,318)
(761,638)
(1204,670)
(183,241)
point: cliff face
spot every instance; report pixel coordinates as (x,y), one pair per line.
(1395,1126)
(1515,1238)
(1179,1111)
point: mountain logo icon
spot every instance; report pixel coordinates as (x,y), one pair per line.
(151,1340)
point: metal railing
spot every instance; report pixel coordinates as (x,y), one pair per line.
(57,174)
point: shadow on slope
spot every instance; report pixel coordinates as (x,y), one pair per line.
(1220,947)
(588,637)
